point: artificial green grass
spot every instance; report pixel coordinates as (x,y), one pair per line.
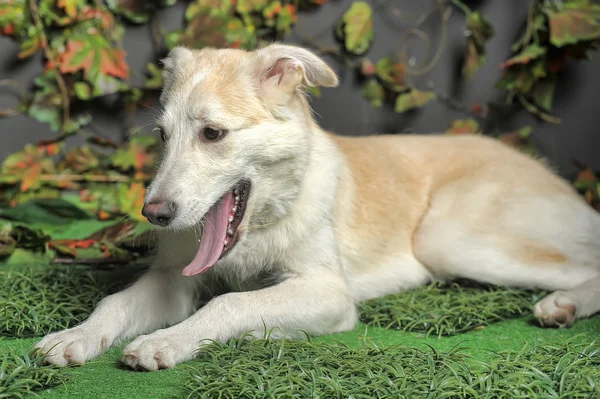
(253,369)
(34,302)
(445,309)
(552,371)
(23,372)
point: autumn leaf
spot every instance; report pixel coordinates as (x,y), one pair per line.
(248,6)
(521,140)
(28,165)
(131,200)
(356,28)
(413,99)
(517,79)
(70,7)
(530,53)
(467,126)
(373,92)
(367,68)
(14,18)
(479,31)
(391,73)
(213,28)
(79,160)
(94,57)
(137,154)
(575,22)
(199,7)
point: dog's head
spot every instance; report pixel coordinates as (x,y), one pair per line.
(237,132)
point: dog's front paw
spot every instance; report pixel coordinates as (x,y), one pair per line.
(160,350)
(558,309)
(75,345)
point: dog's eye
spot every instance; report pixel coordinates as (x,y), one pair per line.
(213,134)
(163,135)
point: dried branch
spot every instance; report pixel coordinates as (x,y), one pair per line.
(64,94)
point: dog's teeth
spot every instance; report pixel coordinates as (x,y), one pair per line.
(236,191)
(234,209)
(225,242)
(230,219)
(230,231)
(237,198)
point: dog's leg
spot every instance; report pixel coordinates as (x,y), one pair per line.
(561,308)
(317,304)
(160,297)
(451,249)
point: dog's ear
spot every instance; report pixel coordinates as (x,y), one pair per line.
(176,57)
(283,68)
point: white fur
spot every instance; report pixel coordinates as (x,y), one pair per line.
(296,267)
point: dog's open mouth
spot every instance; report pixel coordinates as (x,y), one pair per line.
(220,231)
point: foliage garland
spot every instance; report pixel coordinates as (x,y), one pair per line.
(84,61)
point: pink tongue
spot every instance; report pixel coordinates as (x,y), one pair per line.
(213,237)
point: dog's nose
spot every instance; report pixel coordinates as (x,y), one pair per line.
(159,212)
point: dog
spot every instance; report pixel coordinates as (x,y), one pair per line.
(286,226)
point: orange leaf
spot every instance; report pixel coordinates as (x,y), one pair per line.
(77,57)
(31,177)
(113,63)
(69,6)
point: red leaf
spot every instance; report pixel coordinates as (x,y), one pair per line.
(524,57)
(113,63)
(77,57)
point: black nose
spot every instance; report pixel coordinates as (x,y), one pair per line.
(159,212)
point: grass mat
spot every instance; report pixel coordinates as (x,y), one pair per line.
(300,369)
(23,372)
(468,365)
(447,309)
(34,302)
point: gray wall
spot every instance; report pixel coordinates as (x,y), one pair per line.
(343,110)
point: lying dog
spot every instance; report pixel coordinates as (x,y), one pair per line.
(298,225)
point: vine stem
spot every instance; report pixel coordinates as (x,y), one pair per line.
(538,112)
(8,112)
(64,95)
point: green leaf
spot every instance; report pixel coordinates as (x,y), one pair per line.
(82,90)
(413,99)
(373,93)
(133,10)
(530,53)
(479,32)
(356,28)
(131,200)
(137,154)
(576,22)
(46,105)
(198,7)
(517,79)
(213,28)
(47,211)
(14,17)
(154,79)
(391,73)
(542,93)
(466,126)
(79,159)
(248,6)
(28,165)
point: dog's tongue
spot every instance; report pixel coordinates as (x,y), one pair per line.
(213,237)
